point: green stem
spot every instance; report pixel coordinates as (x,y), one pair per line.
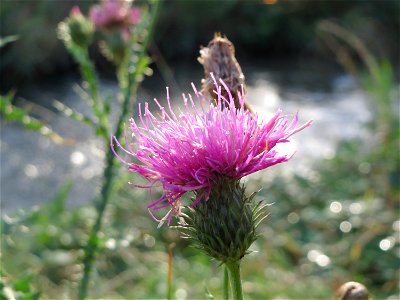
(234,276)
(89,74)
(226,283)
(92,245)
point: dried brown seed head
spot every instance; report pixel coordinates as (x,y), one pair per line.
(219,58)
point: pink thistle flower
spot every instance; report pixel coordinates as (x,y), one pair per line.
(114,14)
(192,150)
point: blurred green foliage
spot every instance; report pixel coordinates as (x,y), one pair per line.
(20,289)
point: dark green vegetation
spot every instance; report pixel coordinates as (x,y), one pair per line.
(256,29)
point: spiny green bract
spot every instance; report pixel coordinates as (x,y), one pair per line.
(225,225)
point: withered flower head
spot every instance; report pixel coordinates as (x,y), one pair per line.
(219,59)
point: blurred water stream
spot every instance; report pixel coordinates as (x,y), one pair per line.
(33,168)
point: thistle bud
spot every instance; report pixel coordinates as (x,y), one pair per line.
(76,30)
(224,226)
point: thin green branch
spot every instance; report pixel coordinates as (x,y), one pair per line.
(11,112)
(69,112)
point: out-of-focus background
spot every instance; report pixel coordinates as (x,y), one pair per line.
(335,213)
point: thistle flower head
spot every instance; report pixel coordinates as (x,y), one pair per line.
(116,14)
(194,149)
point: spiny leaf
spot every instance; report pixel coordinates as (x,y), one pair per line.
(13,113)
(8,39)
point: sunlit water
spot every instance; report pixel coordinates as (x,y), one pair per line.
(33,168)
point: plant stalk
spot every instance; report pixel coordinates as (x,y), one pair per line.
(234,276)
(226,284)
(92,244)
